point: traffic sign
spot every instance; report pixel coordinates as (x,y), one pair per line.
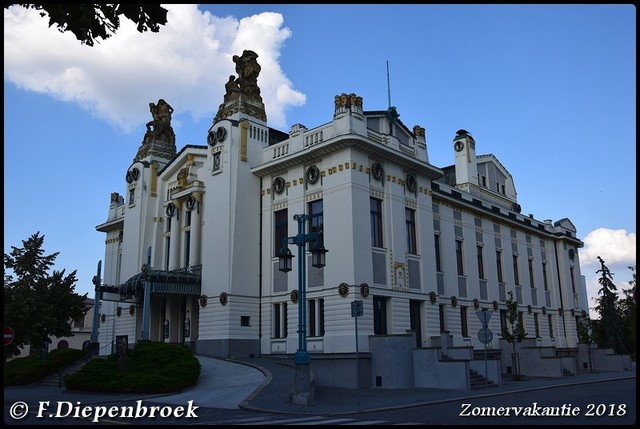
(8,336)
(484,316)
(485,335)
(356,308)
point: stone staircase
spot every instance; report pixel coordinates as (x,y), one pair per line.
(479,382)
(55,380)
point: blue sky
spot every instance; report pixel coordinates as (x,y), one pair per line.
(550,90)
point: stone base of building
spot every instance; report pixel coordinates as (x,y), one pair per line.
(228,348)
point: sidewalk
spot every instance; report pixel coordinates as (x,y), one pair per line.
(264,385)
(273,394)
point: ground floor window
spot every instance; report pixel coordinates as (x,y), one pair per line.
(315,327)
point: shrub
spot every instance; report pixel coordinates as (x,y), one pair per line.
(151,367)
(30,369)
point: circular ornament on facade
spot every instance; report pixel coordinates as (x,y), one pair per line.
(191,202)
(377,170)
(278,185)
(221,134)
(432,297)
(411,183)
(312,174)
(204,299)
(211,138)
(294,296)
(343,290)
(364,290)
(454,301)
(119,311)
(544,310)
(495,305)
(135,174)
(458,145)
(476,303)
(224,298)
(103,318)
(132,309)
(129,177)
(170,210)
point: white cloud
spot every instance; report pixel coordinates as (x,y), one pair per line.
(613,246)
(187,63)
(617,248)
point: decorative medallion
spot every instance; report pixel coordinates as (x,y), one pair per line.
(529,309)
(364,290)
(216,136)
(204,299)
(343,290)
(119,311)
(278,185)
(454,301)
(432,297)
(411,183)
(191,202)
(224,298)
(377,170)
(294,296)
(312,174)
(476,303)
(129,177)
(495,305)
(132,309)
(170,210)
(135,174)
(103,318)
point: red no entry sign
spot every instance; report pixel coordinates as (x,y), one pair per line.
(8,336)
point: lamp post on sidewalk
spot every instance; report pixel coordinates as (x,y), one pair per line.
(302,394)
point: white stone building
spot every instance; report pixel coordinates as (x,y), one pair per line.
(192,246)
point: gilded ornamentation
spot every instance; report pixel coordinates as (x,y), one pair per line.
(224,298)
(294,296)
(343,290)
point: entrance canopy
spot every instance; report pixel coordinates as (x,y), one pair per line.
(160,281)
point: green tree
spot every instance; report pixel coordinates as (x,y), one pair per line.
(38,305)
(513,331)
(583,326)
(627,313)
(608,331)
(88,22)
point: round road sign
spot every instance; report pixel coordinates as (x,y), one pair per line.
(8,336)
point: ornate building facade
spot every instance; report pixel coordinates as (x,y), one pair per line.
(193,245)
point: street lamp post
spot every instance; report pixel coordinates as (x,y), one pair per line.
(302,394)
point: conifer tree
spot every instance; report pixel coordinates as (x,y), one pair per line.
(608,330)
(38,305)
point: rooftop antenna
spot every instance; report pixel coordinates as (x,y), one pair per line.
(392,113)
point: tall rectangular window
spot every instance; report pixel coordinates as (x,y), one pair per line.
(573,280)
(441,314)
(499,266)
(315,314)
(376,222)
(463,321)
(280,230)
(187,238)
(379,315)
(536,324)
(544,276)
(436,240)
(551,326)
(410,220)
(280,320)
(316,218)
(480,262)
(531,277)
(459,258)
(516,275)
